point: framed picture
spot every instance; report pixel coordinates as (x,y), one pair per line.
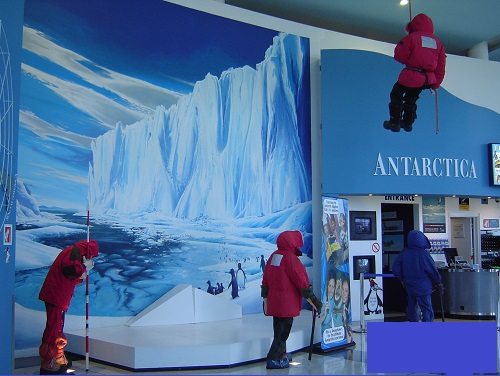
(7,234)
(363,225)
(392,226)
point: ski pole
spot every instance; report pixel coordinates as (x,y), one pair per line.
(441,299)
(312,334)
(87,300)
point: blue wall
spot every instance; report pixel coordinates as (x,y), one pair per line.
(355,94)
(11,19)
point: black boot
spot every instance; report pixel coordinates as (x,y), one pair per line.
(394,123)
(391,125)
(409,116)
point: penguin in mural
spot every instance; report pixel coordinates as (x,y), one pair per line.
(241,277)
(233,284)
(373,303)
(210,288)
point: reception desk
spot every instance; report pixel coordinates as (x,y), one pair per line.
(469,292)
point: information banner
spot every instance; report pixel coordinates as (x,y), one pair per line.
(336,314)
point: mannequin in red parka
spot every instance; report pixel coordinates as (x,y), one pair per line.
(68,269)
(425,60)
(284,284)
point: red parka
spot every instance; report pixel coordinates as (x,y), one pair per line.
(285,276)
(66,272)
(422,53)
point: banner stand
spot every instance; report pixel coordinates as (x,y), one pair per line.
(317,349)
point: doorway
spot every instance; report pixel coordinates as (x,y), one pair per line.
(397,221)
(465,237)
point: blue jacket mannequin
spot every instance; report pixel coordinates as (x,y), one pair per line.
(416,269)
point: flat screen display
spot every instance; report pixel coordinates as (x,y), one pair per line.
(494,161)
(362,225)
(363,264)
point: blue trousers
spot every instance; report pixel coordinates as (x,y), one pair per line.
(417,305)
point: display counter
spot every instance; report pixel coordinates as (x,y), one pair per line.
(469,292)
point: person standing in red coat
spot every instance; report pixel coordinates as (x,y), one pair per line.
(284,284)
(425,60)
(69,268)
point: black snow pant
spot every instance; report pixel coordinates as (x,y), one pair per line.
(403,105)
(282,327)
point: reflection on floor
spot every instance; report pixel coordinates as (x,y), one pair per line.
(352,361)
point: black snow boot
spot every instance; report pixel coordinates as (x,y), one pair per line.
(394,123)
(409,116)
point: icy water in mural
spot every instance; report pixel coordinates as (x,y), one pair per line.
(137,265)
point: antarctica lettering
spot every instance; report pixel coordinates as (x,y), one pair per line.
(413,166)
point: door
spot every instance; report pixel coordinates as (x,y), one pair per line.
(464,238)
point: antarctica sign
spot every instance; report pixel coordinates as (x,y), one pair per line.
(413,166)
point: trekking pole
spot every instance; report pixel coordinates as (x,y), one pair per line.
(87,300)
(441,299)
(312,334)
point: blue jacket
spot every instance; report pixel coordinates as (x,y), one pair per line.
(415,267)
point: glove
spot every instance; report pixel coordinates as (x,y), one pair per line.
(317,303)
(88,263)
(264,306)
(439,287)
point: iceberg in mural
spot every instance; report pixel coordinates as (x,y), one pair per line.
(230,149)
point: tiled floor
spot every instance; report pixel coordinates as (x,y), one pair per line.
(352,361)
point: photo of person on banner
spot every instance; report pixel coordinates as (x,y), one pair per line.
(336,316)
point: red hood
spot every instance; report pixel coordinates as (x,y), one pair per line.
(421,22)
(290,241)
(93,248)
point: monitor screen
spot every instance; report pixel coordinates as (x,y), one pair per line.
(450,254)
(363,264)
(362,225)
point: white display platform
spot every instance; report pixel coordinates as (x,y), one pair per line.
(201,345)
(162,336)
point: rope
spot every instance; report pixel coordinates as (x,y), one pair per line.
(437,111)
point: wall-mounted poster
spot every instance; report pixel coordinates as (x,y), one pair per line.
(494,162)
(463,203)
(336,315)
(433,213)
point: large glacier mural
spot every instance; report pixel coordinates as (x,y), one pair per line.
(230,149)
(191,152)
